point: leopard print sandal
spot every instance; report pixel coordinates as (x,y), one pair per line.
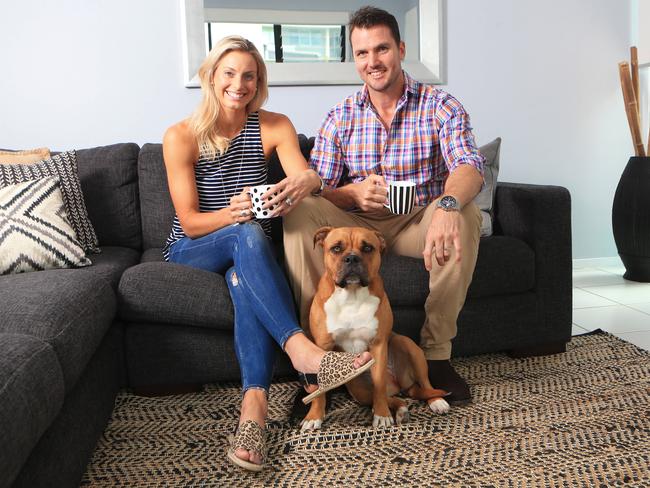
(249,436)
(336,369)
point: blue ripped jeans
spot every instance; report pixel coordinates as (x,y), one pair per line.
(264,310)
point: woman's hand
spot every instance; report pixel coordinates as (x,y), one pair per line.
(291,190)
(240,209)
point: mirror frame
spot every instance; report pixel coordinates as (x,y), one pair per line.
(429,68)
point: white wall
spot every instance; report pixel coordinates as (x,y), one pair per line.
(641,33)
(542,75)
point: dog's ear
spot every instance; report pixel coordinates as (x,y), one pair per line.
(320,235)
(382,242)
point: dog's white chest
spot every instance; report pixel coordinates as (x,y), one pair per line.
(351,318)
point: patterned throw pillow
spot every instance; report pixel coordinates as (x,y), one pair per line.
(35,233)
(63,166)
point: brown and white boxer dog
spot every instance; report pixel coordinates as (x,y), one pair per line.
(351,312)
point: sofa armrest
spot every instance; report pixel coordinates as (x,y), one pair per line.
(541,216)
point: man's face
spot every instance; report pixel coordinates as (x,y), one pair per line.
(377,57)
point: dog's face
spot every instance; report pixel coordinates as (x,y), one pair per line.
(352,254)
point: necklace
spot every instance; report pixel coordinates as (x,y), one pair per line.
(225,196)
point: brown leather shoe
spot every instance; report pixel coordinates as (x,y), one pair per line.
(443,376)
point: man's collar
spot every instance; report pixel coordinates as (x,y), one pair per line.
(410,86)
(362,96)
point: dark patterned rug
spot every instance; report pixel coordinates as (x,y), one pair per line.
(576,419)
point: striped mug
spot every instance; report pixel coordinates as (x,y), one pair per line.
(401,197)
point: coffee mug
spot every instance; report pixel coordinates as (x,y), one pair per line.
(256,193)
(401,197)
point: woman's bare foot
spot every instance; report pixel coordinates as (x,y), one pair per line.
(306,356)
(254,406)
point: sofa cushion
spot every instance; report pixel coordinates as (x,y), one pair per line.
(505,265)
(155,202)
(70,309)
(152,255)
(112,262)
(35,233)
(170,293)
(109,180)
(63,166)
(31,395)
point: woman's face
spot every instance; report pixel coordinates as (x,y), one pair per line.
(235,80)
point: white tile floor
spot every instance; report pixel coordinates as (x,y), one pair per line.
(603,299)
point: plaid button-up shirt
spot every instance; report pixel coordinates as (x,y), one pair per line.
(429,137)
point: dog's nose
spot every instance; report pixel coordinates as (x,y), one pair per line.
(351,259)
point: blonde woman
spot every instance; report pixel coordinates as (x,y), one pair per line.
(211,159)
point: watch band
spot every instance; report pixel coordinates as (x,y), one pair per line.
(319,192)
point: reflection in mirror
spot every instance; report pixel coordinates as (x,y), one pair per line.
(306,44)
(285,43)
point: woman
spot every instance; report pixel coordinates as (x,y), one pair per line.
(211,160)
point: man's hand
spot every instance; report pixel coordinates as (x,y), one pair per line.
(443,235)
(370,194)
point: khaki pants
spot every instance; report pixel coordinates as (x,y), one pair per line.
(405,235)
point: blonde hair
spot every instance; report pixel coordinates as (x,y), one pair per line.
(203,122)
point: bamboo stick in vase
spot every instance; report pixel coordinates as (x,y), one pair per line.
(631,108)
(634,68)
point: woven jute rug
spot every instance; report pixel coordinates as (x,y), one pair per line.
(581,418)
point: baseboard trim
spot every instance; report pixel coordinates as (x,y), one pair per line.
(597,262)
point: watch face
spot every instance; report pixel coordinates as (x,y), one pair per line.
(448,202)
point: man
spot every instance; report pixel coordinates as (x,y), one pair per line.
(396,129)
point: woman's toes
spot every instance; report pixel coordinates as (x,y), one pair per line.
(250,456)
(254,457)
(242,454)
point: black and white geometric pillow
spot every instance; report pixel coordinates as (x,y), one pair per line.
(35,233)
(63,166)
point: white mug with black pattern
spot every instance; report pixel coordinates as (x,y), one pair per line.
(256,193)
(401,197)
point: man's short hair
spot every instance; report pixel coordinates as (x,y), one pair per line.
(367,17)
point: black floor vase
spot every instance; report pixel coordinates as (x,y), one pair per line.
(631,219)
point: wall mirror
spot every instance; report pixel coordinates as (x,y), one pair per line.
(306,43)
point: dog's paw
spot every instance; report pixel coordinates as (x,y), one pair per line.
(313,424)
(402,415)
(379,422)
(439,406)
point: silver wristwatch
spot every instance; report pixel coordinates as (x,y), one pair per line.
(318,192)
(448,204)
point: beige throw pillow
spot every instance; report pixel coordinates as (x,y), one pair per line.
(24,157)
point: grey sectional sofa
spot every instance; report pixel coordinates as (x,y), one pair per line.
(70,339)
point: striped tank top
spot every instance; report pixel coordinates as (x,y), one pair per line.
(219,178)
